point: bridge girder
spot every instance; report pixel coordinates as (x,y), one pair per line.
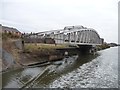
(73,36)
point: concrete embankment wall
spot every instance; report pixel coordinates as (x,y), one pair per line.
(8,59)
(10,53)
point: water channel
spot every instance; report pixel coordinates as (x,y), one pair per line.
(78,71)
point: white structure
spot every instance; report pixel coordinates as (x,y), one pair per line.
(73,35)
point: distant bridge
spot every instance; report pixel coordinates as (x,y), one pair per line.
(77,35)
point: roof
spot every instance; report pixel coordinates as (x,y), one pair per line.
(10,29)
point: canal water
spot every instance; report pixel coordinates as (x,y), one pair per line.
(78,71)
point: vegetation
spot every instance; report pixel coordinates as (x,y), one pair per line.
(103,46)
(42,47)
(5,36)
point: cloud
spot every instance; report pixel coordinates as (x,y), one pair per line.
(40,15)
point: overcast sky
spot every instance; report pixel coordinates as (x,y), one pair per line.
(42,15)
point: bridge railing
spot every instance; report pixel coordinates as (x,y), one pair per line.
(71,36)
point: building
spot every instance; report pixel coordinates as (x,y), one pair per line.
(10,30)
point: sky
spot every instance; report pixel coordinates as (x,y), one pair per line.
(44,15)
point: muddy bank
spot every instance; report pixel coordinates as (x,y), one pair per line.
(41,53)
(41,56)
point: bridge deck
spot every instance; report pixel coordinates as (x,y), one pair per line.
(71,35)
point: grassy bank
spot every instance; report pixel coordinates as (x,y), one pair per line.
(6,36)
(42,48)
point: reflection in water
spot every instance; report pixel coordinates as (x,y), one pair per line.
(102,72)
(18,78)
(68,65)
(74,71)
